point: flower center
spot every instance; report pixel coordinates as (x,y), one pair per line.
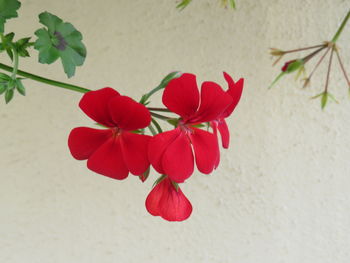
(116,131)
(186,128)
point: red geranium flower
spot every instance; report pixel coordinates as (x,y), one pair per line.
(116,151)
(168,202)
(171,152)
(235,91)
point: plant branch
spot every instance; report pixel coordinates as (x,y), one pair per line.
(329,70)
(318,63)
(302,49)
(158,109)
(15,62)
(158,116)
(342,67)
(340,29)
(45,80)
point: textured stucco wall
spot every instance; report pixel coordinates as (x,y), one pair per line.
(281,193)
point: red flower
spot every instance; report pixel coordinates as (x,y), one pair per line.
(168,202)
(116,151)
(235,91)
(171,152)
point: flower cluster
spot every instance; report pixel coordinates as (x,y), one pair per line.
(122,147)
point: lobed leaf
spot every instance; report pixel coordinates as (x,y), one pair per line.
(8,9)
(59,40)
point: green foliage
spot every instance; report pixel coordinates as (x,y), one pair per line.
(22,45)
(183,4)
(325,96)
(162,85)
(7,45)
(8,85)
(8,9)
(59,40)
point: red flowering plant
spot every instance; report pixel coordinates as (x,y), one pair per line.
(127,137)
(122,145)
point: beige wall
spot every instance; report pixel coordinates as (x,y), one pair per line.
(281,193)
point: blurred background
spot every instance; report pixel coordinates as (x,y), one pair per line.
(281,192)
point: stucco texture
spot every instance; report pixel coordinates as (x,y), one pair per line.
(281,192)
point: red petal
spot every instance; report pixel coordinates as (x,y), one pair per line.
(108,160)
(206,150)
(134,148)
(95,105)
(129,114)
(214,102)
(174,205)
(235,91)
(157,146)
(224,132)
(168,203)
(177,160)
(83,141)
(153,199)
(181,95)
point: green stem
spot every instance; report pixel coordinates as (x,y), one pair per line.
(151,129)
(45,80)
(158,116)
(15,63)
(162,85)
(158,109)
(340,29)
(156,124)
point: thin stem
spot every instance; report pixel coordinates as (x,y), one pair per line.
(329,70)
(158,109)
(161,86)
(156,124)
(45,80)
(156,115)
(310,56)
(342,67)
(340,29)
(318,63)
(151,129)
(302,49)
(15,63)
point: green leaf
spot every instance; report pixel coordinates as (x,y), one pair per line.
(324,99)
(161,178)
(176,185)
(143,177)
(331,96)
(4,76)
(20,88)
(183,4)
(59,40)
(8,9)
(9,95)
(276,79)
(7,44)
(3,88)
(173,122)
(22,46)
